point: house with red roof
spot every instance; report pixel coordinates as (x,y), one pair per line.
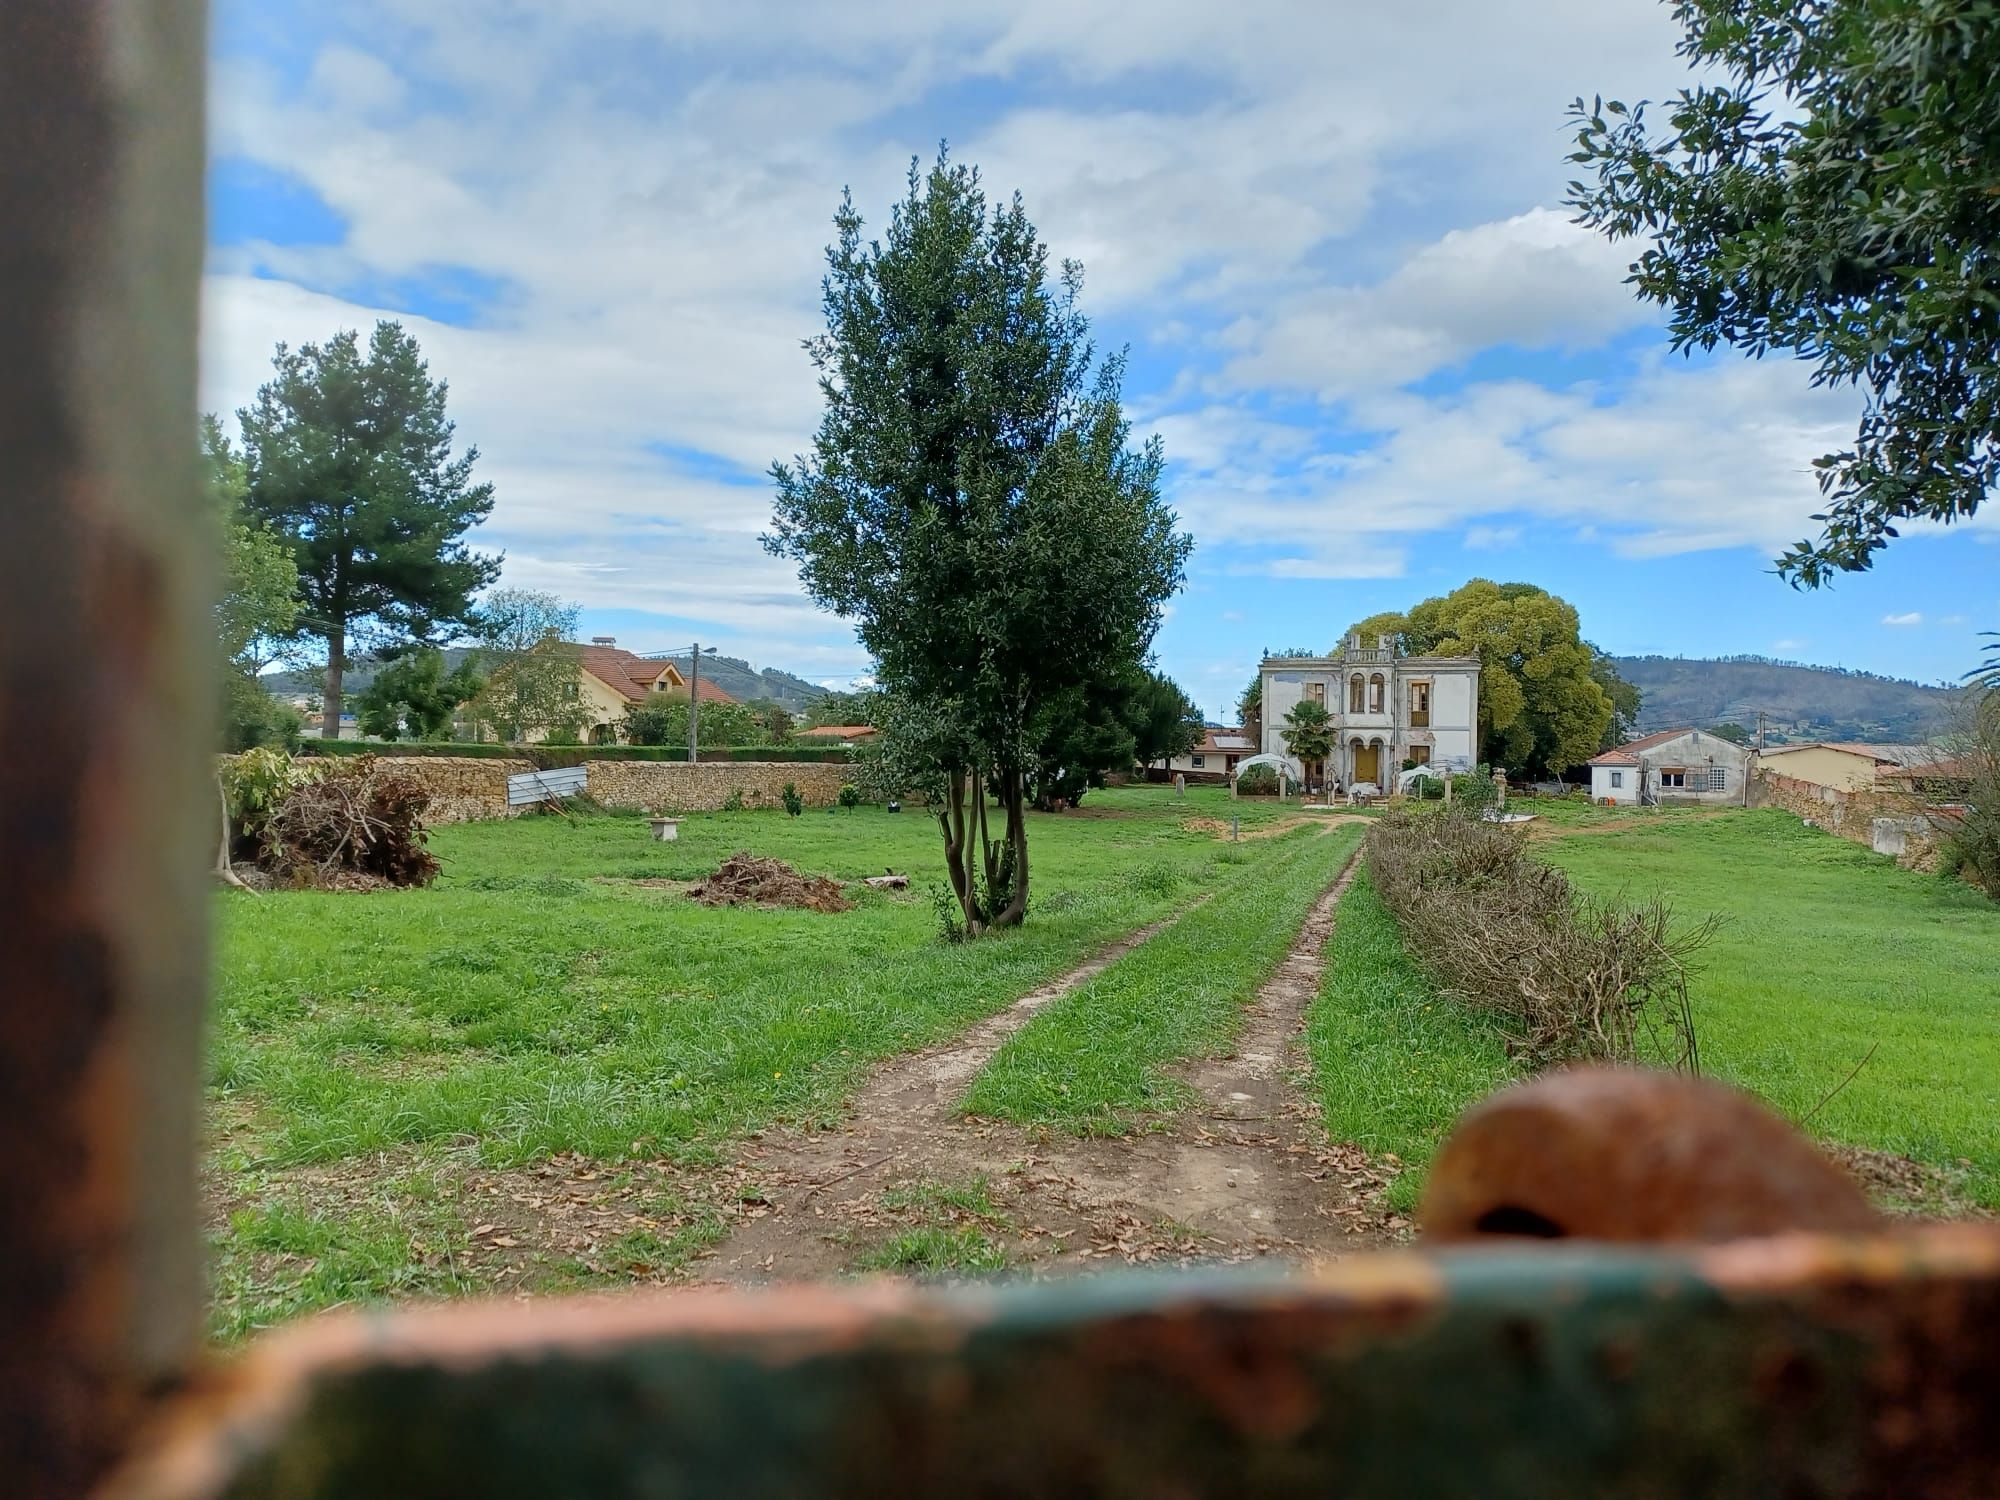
(1673,767)
(612,680)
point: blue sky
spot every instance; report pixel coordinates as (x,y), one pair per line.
(1381,358)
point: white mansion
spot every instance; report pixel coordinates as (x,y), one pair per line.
(1385,708)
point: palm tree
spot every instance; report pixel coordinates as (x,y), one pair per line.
(1308,734)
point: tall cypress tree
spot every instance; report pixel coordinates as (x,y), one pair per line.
(349,458)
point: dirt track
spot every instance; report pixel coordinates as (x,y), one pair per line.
(1243,1173)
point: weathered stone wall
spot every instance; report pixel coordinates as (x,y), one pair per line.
(675,786)
(463,788)
(1851,815)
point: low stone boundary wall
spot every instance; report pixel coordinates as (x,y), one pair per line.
(667,786)
(1854,816)
(464,789)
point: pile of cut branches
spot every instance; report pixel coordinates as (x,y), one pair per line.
(1568,977)
(745,878)
(339,825)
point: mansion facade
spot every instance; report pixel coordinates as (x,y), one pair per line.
(1385,708)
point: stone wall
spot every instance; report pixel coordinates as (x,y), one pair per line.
(466,788)
(1852,815)
(675,786)
(463,788)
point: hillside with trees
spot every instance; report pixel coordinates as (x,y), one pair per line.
(1799,702)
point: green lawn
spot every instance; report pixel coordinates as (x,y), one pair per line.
(1393,1064)
(1092,1062)
(536,1000)
(1829,950)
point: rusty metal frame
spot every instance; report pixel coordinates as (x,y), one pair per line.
(1858,1362)
(104,701)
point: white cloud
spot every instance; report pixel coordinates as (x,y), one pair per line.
(1914,617)
(1534,281)
(1319,200)
(1491,538)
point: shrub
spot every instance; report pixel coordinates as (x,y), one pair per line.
(1258,781)
(1569,978)
(850,795)
(734,801)
(1476,791)
(794,803)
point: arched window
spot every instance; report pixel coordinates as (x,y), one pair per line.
(1354,691)
(1375,694)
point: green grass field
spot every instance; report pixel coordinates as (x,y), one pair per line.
(541,998)
(1092,1062)
(1829,951)
(1393,1064)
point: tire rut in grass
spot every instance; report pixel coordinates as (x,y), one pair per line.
(1244,1173)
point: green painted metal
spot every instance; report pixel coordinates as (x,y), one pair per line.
(1797,1366)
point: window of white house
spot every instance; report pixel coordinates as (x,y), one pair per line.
(1617,780)
(1375,694)
(1195,761)
(1674,776)
(1316,692)
(1354,694)
(1421,754)
(1420,705)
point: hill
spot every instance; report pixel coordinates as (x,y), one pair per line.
(732,674)
(1799,702)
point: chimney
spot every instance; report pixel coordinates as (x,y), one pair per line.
(604,640)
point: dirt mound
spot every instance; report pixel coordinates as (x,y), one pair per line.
(743,877)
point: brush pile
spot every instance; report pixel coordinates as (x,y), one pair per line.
(328,824)
(1568,978)
(746,879)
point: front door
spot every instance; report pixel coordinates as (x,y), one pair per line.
(1368,763)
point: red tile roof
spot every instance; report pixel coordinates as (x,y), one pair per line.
(633,676)
(835,732)
(1623,756)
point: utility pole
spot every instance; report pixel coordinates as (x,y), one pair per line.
(1760,731)
(694,703)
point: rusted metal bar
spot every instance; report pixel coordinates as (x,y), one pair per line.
(104,708)
(1796,1366)
(1635,1157)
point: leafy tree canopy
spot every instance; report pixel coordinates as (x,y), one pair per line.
(971,503)
(348,456)
(1108,725)
(534,667)
(414,697)
(256,604)
(662,719)
(1540,702)
(857,707)
(1832,193)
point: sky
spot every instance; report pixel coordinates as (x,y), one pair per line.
(1380,357)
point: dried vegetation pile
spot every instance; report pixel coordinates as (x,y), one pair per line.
(1568,977)
(745,878)
(327,824)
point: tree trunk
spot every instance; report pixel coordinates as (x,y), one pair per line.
(951,822)
(1013,794)
(336,667)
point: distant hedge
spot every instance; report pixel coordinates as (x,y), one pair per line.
(552,756)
